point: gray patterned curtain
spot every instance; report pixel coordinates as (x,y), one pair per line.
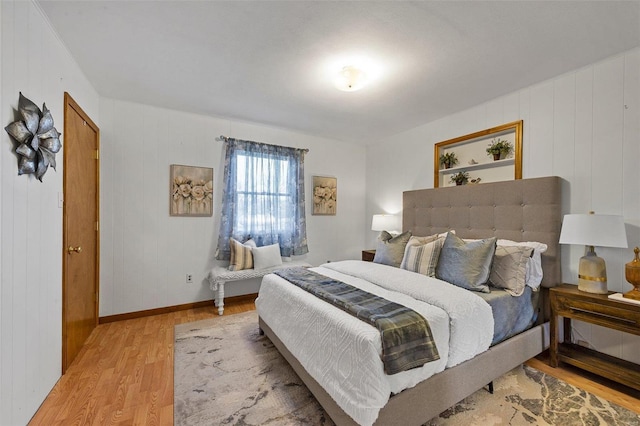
(263,197)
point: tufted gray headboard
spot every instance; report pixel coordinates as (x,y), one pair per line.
(518,210)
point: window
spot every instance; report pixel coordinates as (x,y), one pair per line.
(263,197)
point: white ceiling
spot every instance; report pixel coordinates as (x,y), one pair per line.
(268,62)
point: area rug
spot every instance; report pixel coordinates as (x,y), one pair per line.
(225,373)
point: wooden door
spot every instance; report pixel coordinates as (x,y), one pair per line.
(80,230)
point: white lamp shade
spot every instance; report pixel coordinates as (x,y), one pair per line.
(594,230)
(384,222)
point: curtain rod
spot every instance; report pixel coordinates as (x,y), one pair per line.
(223,138)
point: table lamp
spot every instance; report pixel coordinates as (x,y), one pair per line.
(384,222)
(593,230)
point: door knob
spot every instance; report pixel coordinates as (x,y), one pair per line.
(71,249)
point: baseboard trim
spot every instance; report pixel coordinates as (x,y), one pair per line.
(169,309)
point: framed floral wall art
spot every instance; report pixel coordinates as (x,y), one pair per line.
(191,191)
(325,195)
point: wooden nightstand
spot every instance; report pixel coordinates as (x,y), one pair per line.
(569,302)
(368,255)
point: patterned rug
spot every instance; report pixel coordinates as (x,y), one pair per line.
(227,374)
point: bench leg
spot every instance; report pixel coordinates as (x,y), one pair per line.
(220,298)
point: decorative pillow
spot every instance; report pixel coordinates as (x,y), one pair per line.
(267,256)
(466,264)
(419,241)
(241,257)
(422,258)
(390,249)
(509,268)
(533,276)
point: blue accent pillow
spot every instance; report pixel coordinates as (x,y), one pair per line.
(390,249)
(466,264)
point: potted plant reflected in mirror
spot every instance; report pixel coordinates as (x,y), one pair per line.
(460,178)
(499,148)
(448,160)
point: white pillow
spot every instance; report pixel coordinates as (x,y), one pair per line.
(266,257)
(533,274)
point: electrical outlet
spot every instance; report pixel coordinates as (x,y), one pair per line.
(189,278)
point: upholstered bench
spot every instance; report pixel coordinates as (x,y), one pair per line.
(220,275)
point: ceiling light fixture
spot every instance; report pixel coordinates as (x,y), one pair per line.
(350,79)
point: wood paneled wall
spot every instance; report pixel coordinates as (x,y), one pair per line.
(36,63)
(145,253)
(583,126)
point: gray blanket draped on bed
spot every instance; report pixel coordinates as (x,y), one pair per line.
(407,341)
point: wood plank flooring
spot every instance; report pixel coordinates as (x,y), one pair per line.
(608,389)
(124,374)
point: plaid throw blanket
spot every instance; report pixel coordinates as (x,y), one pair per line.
(407,341)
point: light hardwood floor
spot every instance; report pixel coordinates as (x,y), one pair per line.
(124,374)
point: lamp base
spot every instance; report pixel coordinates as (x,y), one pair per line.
(592,273)
(633,294)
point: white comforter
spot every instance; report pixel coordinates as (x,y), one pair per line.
(342,353)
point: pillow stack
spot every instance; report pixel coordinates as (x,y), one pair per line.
(474,265)
(249,256)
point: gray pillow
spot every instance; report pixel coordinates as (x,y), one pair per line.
(466,264)
(509,268)
(390,249)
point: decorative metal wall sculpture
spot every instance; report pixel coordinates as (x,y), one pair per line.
(38,141)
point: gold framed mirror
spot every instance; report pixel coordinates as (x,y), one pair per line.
(490,155)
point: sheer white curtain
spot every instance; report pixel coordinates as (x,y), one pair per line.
(263,197)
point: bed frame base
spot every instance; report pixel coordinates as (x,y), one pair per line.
(417,405)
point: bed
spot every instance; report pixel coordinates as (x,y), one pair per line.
(519,210)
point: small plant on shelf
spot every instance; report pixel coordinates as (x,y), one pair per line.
(448,159)
(499,148)
(460,178)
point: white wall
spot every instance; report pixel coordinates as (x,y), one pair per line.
(145,253)
(583,126)
(35,62)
